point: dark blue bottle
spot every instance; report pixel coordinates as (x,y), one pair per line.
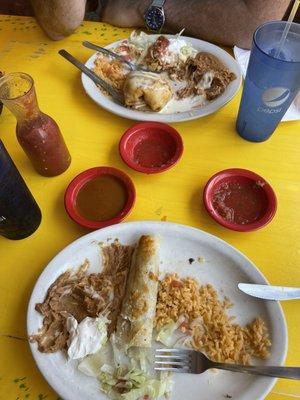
(20,215)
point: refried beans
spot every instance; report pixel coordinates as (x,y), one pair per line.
(81,294)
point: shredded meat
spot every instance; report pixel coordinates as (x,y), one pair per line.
(81,294)
(194,72)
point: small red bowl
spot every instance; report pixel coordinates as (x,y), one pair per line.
(80,180)
(151,147)
(265,198)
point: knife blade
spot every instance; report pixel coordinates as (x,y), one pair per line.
(269,292)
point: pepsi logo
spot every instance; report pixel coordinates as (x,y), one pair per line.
(275,97)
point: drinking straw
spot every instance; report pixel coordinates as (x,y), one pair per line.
(287,27)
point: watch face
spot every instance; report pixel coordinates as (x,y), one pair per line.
(155,18)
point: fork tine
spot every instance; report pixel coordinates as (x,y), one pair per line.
(176,357)
(183,370)
(171,363)
(172,350)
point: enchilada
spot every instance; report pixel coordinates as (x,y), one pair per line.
(136,320)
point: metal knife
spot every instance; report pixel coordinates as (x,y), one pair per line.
(268,292)
(115,94)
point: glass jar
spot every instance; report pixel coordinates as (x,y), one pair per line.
(37,133)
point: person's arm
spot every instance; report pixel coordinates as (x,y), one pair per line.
(228,22)
(59,18)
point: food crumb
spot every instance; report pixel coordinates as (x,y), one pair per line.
(153,276)
(227,396)
(201,260)
(191,260)
(260,183)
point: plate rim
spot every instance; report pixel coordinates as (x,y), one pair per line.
(86,238)
(166,118)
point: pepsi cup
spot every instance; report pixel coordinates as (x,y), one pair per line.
(272,81)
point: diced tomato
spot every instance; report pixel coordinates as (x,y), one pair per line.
(158,48)
(177,284)
(185,325)
(125,51)
(161,44)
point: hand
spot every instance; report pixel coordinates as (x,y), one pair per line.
(124,13)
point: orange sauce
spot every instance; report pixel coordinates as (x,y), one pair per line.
(101,199)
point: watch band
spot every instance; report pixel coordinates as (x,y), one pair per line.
(158,3)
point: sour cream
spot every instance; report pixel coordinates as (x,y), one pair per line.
(87,337)
(183,105)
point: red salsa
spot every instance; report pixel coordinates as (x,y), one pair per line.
(241,202)
(44,145)
(37,133)
(151,153)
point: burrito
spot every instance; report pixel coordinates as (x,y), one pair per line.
(136,320)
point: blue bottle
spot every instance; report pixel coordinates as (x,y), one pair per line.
(271,82)
(20,215)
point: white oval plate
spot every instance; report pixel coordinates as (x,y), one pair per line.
(213,106)
(224,267)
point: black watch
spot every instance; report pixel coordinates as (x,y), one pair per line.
(155,16)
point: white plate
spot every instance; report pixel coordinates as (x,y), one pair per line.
(224,267)
(109,105)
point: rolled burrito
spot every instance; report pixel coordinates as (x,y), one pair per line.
(136,320)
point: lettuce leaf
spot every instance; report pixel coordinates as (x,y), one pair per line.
(133,384)
(92,364)
(165,335)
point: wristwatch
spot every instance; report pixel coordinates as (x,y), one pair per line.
(155,16)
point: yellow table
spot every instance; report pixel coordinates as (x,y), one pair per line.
(92,135)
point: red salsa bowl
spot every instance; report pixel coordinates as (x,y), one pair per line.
(240,200)
(151,147)
(99,197)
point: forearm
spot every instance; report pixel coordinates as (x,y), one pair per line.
(59,18)
(229,22)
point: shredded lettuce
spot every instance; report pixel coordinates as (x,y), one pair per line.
(141,40)
(188,51)
(121,380)
(130,378)
(154,388)
(92,364)
(107,369)
(165,335)
(140,358)
(133,384)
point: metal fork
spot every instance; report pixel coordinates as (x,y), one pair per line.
(194,362)
(109,53)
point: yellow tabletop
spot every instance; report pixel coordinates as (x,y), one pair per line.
(92,134)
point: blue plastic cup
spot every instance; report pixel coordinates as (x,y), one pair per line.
(271,82)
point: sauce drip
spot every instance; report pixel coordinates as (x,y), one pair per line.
(240,202)
(101,199)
